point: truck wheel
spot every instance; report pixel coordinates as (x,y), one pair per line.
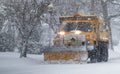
(104,52)
(99,48)
(92,56)
(98,56)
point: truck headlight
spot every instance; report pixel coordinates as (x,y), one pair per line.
(62,33)
(77,32)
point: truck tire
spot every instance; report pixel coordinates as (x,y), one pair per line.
(102,54)
(92,56)
(99,57)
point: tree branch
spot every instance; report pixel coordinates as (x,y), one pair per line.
(108,1)
(113,16)
(115,3)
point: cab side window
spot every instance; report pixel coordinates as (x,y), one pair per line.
(102,27)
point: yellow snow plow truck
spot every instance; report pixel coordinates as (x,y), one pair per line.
(80,36)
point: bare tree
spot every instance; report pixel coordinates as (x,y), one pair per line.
(27,15)
(2,15)
(108,17)
(92,7)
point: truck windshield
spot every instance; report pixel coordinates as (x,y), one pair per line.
(82,26)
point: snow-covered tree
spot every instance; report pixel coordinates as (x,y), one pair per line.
(27,15)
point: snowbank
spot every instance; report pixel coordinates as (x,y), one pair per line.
(10,63)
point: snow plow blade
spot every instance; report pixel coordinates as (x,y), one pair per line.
(65,54)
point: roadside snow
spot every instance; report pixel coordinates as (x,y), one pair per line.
(10,63)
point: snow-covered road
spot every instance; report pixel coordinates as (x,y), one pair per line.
(10,63)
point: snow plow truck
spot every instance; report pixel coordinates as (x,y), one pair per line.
(80,37)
